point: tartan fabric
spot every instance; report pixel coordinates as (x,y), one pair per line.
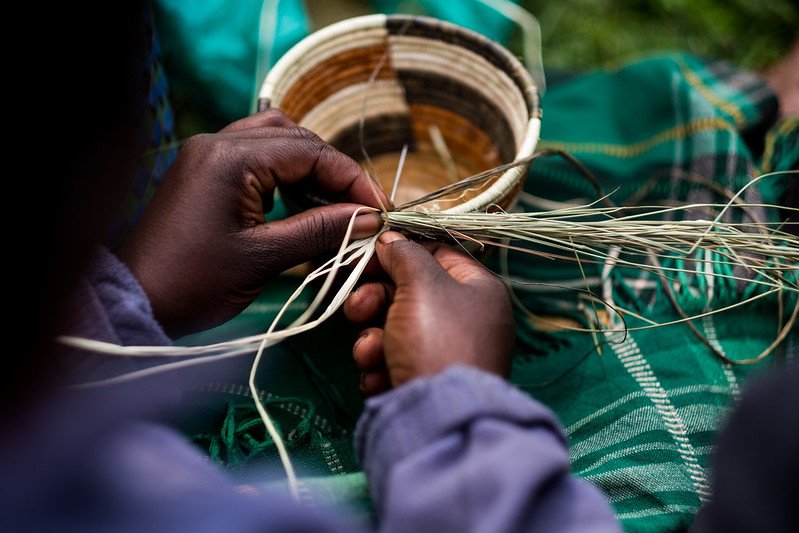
(642,417)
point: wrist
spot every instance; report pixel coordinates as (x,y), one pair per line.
(148,281)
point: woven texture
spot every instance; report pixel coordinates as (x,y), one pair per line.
(431,74)
(642,418)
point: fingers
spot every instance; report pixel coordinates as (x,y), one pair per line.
(374,382)
(459,265)
(369,358)
(305,236)
(271,118)
(296,158)
(276,150)
(405,261)
(368,302)
(336,174)
(333,165)
(368,349)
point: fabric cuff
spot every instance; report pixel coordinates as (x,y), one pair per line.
(401,421)
(125,301)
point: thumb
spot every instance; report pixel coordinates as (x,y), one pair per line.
(307,235)
(405,261)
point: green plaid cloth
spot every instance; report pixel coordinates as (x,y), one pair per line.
(642,417)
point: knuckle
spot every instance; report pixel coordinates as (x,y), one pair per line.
(396,251)
(318,232)
(209,145)
(261,256)
(212,156)
(404,247)
(310,143)
(493,286)
(408,262)
(275,114)
(196,143)
(493,281)
(303,134)
(500,289)
(332,157)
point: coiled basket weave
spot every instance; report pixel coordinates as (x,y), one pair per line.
(435,77)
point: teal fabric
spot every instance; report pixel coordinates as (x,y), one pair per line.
(211,48)
(471,14)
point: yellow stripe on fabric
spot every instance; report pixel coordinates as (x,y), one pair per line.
(695,82)
(768,152)
(783,128)
(636,149)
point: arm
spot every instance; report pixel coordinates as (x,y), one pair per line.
(200,253)
(453,447)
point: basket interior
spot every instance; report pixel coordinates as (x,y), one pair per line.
(452,96)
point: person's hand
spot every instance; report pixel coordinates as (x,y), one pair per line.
(441,308)
(202,251)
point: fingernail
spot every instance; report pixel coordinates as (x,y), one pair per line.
(360,338)
(391,236)
(366,225)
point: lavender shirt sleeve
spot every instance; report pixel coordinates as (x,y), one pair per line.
(464,451)
(460,451)
(89,463)
(110,305)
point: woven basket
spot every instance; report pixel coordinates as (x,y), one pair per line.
(435,75)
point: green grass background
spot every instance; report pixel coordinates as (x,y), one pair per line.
(584,34)
(581,34)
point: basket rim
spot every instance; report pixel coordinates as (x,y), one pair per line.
(514,69)
(278,71)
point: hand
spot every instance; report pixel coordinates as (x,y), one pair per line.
(202,251)
(443,308)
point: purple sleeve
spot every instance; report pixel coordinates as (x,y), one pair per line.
(133,477)
(110,305)
(83,462)
(464,451)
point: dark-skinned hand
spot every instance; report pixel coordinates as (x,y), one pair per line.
(441,308)
(202,251)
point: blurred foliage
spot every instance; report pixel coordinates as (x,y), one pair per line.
(580,34)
